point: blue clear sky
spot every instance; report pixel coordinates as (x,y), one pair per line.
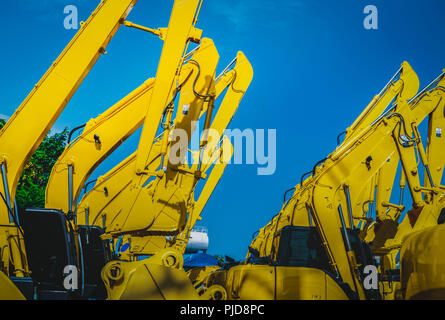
(315,65)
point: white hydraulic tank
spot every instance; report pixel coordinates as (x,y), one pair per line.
(198,241)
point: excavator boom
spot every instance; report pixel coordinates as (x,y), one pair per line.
(99,139)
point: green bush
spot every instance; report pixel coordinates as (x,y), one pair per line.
(32,184)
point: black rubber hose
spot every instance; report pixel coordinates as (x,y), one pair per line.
(74,130)
(339,137)
(287,191)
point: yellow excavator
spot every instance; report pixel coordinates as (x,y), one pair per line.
(421,232)
(38,270)
(314,248)
(178,200)
(100,137)
(110,195)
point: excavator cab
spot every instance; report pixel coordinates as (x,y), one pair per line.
(64,263)
(299,268)
(298,246)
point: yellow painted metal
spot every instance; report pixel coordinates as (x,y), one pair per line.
(237,81)
(423,264)
(260,282)
(211,182)
(8,291)
(436,126)
(263,282)
(410,84)
(158,32)
(306,284)
(198,275)
(385,184)
(432,103)
(107,187)
(180,242)
(157,278)
(13,260)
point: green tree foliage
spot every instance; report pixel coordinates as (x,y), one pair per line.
(32,184)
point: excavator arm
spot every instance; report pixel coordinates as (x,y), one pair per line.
(181,30)
(406,141)
(432,103)
(98,140)
(96,201)
(406,86)
(180,242)
(161,269)
(296,211)
(170,184)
